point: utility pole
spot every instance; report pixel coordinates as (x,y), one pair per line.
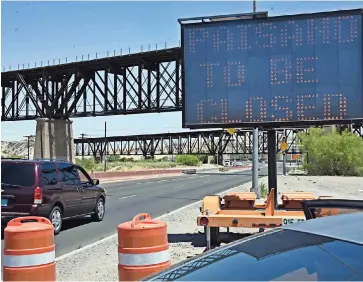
(255,187)
(284,156)
(83,136)
(255,164)
(28,140)
(105,149)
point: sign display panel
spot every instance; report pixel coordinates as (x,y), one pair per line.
(276,70)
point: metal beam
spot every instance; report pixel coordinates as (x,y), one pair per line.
(193,142)
(138,83)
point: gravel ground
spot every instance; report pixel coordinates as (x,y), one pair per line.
(99,263)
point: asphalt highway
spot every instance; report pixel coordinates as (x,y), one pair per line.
(154,196)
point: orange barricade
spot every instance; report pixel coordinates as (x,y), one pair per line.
(143,248)
(29,250)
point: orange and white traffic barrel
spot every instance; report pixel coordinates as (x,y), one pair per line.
(29,250)
(143,248)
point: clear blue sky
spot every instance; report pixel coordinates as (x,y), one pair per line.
(41,31)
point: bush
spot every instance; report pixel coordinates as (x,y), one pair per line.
(213,160)
(123,159)
(332,153)
(88,164)
(136,165)
(163,159)
(15,157)
(113,158)
(189,160)
(264,190)
(203,158)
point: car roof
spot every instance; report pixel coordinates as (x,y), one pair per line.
(18,160)
(15,160)
(346,227)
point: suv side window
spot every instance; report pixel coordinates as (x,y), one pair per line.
(83,177)
(69,174)
(49,174)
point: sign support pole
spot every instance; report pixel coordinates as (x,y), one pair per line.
(255,186)
(272,168)
(284,157)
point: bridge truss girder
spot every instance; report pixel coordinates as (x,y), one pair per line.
(131,84)
(190,142)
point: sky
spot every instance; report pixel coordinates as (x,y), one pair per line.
(41,31)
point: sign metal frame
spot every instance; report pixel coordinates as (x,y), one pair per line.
(262,125)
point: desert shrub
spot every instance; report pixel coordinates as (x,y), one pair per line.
(87,163)
(113,158)
(14,156)
(264,190)
(136,165)
(213,160)
(332,153)
(189,160)
(124,159)
(203,158)
(163,159)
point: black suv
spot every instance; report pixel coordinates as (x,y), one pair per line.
(54,189)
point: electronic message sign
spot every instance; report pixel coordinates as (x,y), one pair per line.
(287,70)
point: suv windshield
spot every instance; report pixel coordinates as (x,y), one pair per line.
(19,174)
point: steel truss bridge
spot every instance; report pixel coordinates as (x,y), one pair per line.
(146,82)
(189,142)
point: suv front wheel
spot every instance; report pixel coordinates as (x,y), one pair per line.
(99,211)
(55,217)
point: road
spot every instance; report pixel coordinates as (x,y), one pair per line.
(153,196)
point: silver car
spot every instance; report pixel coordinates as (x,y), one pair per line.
(329,248)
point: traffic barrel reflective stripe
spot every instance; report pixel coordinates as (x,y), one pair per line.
(143,248)
(144,259)
(29,250)
(28,260)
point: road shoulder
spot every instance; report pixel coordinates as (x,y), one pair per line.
(99,262)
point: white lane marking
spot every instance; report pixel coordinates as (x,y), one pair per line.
(179,186)
(143,259)
(127,197)
(163,180)
(28,260)
(62,257)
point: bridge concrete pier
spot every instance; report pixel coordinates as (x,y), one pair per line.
(54,139)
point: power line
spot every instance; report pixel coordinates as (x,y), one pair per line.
(131,129)
(28,139)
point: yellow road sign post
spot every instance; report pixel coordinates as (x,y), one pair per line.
(283,145)
(231,131)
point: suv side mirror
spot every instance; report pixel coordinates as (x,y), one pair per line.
(95,182)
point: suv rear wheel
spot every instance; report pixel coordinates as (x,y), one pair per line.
(55,217)
(99,212)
